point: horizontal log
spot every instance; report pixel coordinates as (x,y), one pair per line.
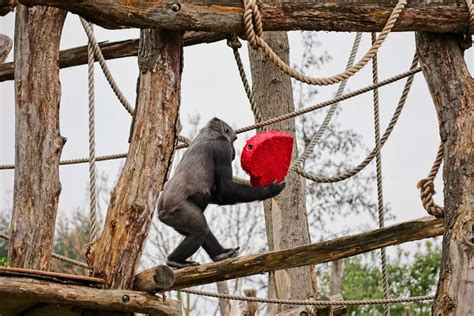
(161,277)
(78,55)
(317,253)
(226,16)
(86,297)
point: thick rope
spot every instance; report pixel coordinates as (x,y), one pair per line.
(426,187)
(93,226)
(324,104)
(235,44)
(263,123)
(327,119)
(378,167)
(384,138)
(56,256)
(253,28)
(105,68)
(310,302)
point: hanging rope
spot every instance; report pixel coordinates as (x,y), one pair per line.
(384,138)
(105,68)
(274,120)
(93,226)
(327,119)
(309,302)
(56,256)
(426,187)
(253,28)
(234,43)
(378,167)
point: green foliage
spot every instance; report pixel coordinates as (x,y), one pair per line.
(416,277)
(3,262)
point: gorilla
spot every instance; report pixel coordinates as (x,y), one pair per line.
(203,177)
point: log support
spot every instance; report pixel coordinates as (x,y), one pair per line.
(32,292)
(226,16)
(317,253)
(38,142)
(452,89)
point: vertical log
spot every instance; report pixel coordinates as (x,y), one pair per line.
(38,142)
(224,304)
(335,281)
(285,216)
(116,253)
(452,90)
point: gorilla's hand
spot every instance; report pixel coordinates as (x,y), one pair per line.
(275,188)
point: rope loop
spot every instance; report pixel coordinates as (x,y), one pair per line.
(233,42)
(426,187)
(254,28)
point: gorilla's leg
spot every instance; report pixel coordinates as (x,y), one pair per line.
(188,219)
(215,250)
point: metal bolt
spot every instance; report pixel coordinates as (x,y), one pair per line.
(125,298)
(175,7)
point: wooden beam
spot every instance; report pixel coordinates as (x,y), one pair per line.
(157,277)
(5,47)
(226,16)
(38,141)
(317,253)
(78,55)
(452,89)
(86,297)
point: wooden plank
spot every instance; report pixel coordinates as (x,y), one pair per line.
(317,253)
(452,89)
(111,50)
(20,272)
(226,16)
(86,297)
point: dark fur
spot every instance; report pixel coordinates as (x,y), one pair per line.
(203,177)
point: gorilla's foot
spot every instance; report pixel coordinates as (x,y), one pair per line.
(179,265)
(228,253)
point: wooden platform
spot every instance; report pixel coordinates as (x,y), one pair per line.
(34,293)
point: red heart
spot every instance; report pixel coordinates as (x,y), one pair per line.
(266,157)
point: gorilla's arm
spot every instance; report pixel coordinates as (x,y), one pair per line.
(230,192)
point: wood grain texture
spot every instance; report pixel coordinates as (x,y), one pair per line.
(6,45)
(317,253)
(86,297)
(452,89)
(111,50)
(38,142)
(286,218)
(116,253)
(226,16)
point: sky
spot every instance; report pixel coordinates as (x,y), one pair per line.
(211,87)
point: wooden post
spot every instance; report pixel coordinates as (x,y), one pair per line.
(38,142)
(452,90)
(285,216)
(116,253)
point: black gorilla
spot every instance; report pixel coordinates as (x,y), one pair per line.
(204,176)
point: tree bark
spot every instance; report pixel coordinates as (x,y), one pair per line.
(337,272)
(40,291)
(226,16)
(452,90)
(111,50)
(322,252)
(224,305)
(116,254)
(5,47)
(285,216)
(38,142)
